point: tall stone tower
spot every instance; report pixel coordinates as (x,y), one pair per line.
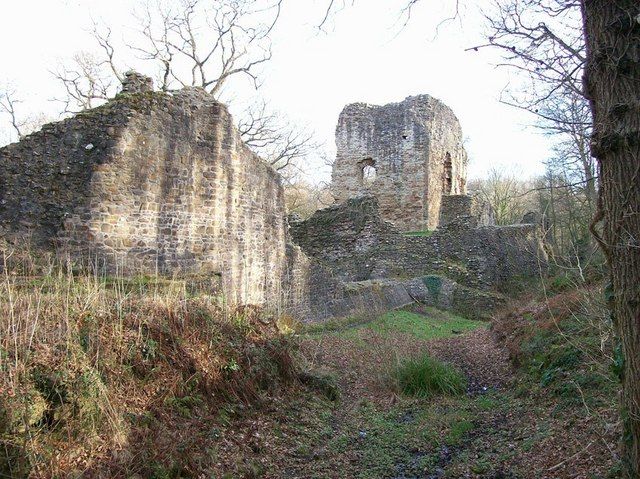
(407,154)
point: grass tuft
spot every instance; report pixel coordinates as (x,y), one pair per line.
(425,377)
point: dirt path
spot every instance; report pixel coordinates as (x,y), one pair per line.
(479,356)
(373,432)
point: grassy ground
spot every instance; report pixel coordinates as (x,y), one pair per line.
(509,423)
(105,378)
(429,323)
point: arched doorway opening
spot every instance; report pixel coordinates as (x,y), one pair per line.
(368,172)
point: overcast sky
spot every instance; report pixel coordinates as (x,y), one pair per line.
(364,56)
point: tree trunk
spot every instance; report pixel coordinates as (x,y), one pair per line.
(612,83)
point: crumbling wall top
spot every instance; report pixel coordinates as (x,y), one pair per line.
(135,82)
(465,211)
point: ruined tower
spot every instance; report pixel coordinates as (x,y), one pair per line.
(407,154)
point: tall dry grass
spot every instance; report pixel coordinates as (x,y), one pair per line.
(85,358)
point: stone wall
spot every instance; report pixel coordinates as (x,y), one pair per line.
(465,212)
(161,183)
(472,262)
(408,155)
(152,183)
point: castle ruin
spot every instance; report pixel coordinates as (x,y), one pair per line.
(408,155)
(161,183)
(150,183)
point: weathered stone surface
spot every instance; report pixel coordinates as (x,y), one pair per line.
(161,183)
(151,182)
(363,297)
(408,155)
(465,211)
(134,82)
(462,266)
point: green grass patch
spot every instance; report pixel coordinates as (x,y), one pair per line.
(458,431)
(435,324)
(431,323)
(425,377)
(402,441)
(424,233)
(490,401)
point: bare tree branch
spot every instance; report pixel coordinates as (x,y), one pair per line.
(205,44)
(85,83)
(193,42)
(8,103)
(332,7)
(543,42)
(22,124)
(104,41)
(283,145)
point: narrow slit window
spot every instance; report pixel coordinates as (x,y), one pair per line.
(447,175)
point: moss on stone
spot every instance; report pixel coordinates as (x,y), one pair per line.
(433,284)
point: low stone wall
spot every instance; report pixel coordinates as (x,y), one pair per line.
(362,297)
(473,264)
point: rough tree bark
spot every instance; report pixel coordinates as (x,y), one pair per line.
(612,84)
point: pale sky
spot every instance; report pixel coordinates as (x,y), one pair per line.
(364,56)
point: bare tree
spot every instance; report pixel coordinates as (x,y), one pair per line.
(570,124)
(19,123)
(85,83)
(331,8)
(8,105)
(282,144)
(303,198)
(505,193)
(544,42)
(193,43)
(568,211)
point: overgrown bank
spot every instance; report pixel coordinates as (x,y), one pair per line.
(105,377)
(125,378)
